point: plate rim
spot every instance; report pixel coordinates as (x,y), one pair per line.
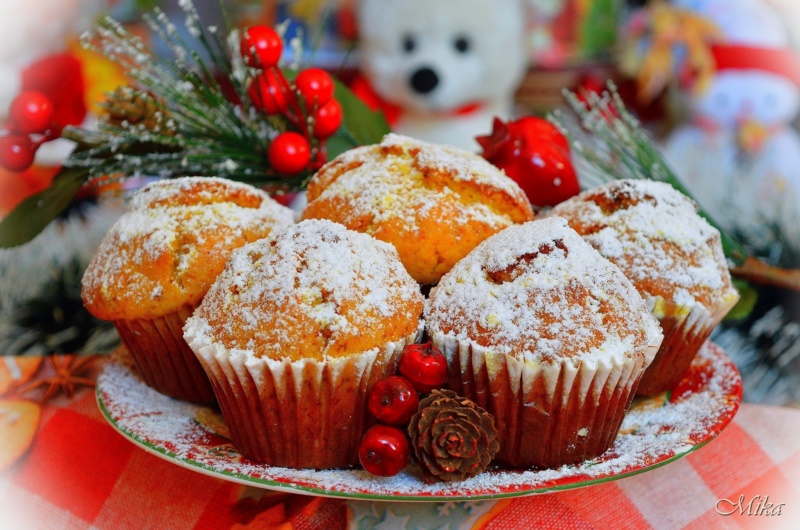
(578,483)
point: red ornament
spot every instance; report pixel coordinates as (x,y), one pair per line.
(31,112)
(316,87)
(60,78)
(534,153)
(424,366)
(289,153)
(327,119)
(384,451)
(261,47)
(268,92)
(393,400)
(16,152)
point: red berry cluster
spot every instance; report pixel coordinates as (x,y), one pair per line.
(384,450)
(30,124)
(308,103)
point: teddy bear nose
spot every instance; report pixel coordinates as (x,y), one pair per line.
(424,80)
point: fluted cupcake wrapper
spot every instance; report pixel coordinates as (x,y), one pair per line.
(163,358)
(685,332)
(547,415)
(302,414)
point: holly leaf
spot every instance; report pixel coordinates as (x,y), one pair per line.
(34,213)
(360,124)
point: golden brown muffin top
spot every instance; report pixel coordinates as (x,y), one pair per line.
(404,190)
(314,291)
(539,292)
(166,251)
(655,235)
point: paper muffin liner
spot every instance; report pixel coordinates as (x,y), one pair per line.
(301,414)
(163,358)
(685,332)
(547,415)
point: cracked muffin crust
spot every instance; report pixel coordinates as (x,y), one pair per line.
(434,203)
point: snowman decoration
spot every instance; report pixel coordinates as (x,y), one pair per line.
(739,155)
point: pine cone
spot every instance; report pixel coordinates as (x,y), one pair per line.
(452,438)
(126,107)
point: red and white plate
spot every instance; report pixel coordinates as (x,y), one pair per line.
(656,431)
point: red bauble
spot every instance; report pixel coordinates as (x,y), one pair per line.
(31,112)
(61,78)
(327,119)
(424,366)
(268,92)
(16,152)
(315,86)
(261,47)
(534,153)
(289,153)
(393,400)
(384,451)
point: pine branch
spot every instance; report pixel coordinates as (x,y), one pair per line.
(187,115)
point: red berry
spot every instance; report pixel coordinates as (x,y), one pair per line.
(393,400)
(535,154)
(16,152)
(261,47)
(289,153)
(316,87)
(384,451)
(424,366)
(31,112)
(268,92)
(327,119)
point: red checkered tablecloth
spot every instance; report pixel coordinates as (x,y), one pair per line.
(79,473)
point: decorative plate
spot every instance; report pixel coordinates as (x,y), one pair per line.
(656,431)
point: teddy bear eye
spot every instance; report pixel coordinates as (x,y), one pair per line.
(461,44)
(409,43)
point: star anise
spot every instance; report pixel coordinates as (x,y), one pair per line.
(67,376)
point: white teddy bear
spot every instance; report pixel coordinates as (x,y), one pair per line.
(740,156)
(448,66)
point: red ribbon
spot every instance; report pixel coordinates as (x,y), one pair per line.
(362,88)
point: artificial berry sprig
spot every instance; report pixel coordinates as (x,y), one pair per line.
(30,124)
(307,104)
(384,449)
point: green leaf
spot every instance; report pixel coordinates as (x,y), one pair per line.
(360,124)
(33,214)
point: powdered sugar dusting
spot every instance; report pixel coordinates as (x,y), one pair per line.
(387,182)
(307,292)
(167,249)
(654,431)
(538,291)
(653,232)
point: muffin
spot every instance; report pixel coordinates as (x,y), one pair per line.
(156,263)
(433,203)
(673,257)
(547,336)
(294,334)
